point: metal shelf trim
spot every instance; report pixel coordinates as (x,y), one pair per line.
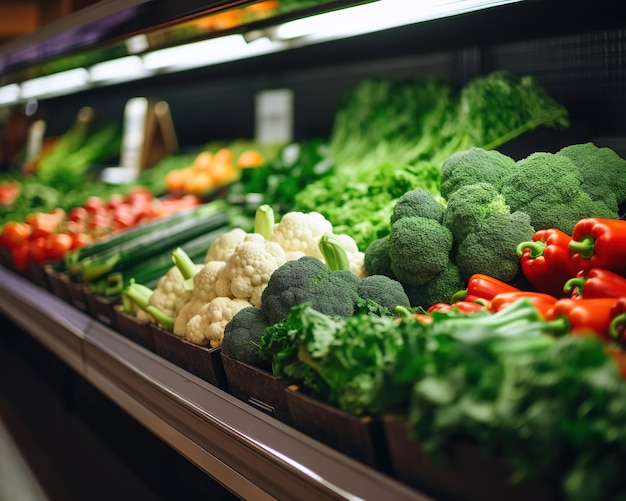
(250,453)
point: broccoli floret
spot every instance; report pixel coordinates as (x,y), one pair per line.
(418,202)
(243,334)
(474,165)
(602,172)
(419,249)
(439,290)
(308,279)
(547,187)
(469,206)
(376,258)
(384,291)
(491,249)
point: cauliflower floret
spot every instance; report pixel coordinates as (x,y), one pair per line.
(301,232)
(224,246)
(356,257)
(249,268)
(203,292)
(207,327)
(170,294)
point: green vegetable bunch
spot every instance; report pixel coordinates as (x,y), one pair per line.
(336,359)
(552,408)
(390,137)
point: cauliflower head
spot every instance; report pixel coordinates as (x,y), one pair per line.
(204,291)
(225,245)
(249,268)
(300,232)
(170,294)
(207,326)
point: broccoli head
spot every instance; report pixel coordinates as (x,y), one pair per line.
(384,291)
(469,206)
(309,280)
(418,202)
(242,335)
(602,172)
(419,249)
(547,187)
(439,290)
(491,249)
(475,165)
(376,258)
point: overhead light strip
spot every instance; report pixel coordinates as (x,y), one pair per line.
(361,19)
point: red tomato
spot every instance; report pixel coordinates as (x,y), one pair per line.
(77,214)
(81,239)
(9,191)
(37,249)
(123,217)
(14,233)
(19,255)
(115,200)
(139,194)
(57,244)
(94,203)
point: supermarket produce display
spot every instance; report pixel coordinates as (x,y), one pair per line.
(425,302)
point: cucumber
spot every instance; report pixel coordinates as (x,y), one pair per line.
(143,247)
(73,258)
(148,272)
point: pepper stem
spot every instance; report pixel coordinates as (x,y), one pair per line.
(403,312)
(616,323)
(264,221)
(536,248)
(458,296)
(584,246)
(576,284)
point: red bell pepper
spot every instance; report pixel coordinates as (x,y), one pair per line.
(545,261)
(586,316)
(596,283)
(542,302)
(481,286)
(599,243)
(462,306)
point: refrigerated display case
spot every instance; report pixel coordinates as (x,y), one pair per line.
(575,51)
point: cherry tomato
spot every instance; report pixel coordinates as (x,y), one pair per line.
(57,244)
(77,214)
(19,255)
(115,200)
(81,239)
(123,217)
(37,249)
(14,233)
(94,203)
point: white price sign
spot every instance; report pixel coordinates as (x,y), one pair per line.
(274,116)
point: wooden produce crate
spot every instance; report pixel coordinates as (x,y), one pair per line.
(36,273)
(57,282)
(358,437)
(102,308)
(258,387)
(139,331)
(76,295)
(202,361)
(470,474)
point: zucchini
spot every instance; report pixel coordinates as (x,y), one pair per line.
(73,258)
(148,272)
(139,249)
